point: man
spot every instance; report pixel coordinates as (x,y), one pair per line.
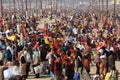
(28,60)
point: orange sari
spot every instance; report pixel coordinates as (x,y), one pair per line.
(24,30)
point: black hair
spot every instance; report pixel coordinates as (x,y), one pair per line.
(23,60)
(113,67)
(1,63)
(16,78)
(68,53)
(77,49)
(16,63)
(9,58)
(57,55)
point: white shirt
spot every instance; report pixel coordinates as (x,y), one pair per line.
(15,71)
(75,31)
(48,57)
(27,56)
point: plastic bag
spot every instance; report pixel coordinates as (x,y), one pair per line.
(38,69)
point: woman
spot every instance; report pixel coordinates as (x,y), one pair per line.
(58,68)
(69,67)
(36,62)
(86,69)
(23,67)
(86,64)
(102,66)
(78,61)
(51,66)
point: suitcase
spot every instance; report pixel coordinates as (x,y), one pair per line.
(76,76)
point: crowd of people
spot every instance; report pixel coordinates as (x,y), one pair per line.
(68,46)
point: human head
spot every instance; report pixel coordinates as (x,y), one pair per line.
(1,62)
(23,60)
(113,67)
